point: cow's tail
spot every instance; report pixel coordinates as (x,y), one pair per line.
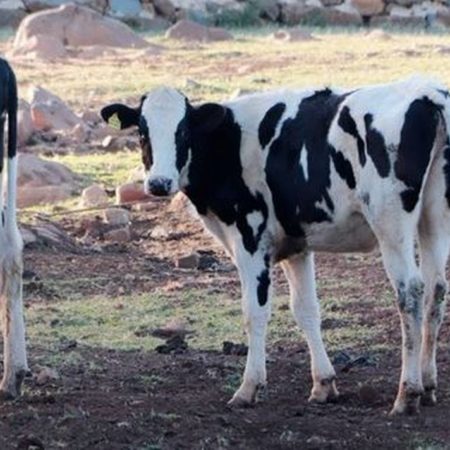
(11,160)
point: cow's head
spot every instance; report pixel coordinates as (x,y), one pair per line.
(167,125)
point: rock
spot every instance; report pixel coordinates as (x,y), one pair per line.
(179,202)
(269,9)
(11,13)
(332,2)
(187,30)
(294,35)
(25,127)
(118,235)
(30,196)
(49,112)
(39,5)
(94,195)
(116,216)
(91,117)
(43,181)
(165,8)
(41,46)
(188,262)
(72,25)
(46,375)
(369,395)
(294,14)
(369,7)
(50,234)
(130,192)
(28,236)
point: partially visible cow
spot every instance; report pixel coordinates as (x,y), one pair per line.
(278,175)
(15,360)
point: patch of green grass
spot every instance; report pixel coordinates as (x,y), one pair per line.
(109,169)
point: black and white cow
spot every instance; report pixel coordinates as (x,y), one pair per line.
(276,176)
(15,360)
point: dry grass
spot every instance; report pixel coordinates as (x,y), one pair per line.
(252,61)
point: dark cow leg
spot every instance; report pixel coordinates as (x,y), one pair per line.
(254,272)
(299,271)
(434,250)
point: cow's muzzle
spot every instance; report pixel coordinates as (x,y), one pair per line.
(160,186)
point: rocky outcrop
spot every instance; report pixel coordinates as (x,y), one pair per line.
(48,34)
(43,181)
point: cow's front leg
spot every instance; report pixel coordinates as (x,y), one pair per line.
(15,361)
(299,271)
(255,274)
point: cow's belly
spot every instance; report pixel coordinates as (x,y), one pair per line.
(351,235)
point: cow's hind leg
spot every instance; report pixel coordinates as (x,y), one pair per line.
(397,248)
(299,271)
(15,364)
(255,272)
(434,249)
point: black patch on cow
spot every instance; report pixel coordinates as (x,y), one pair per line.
(8,107)
(182,142)
(269,123)
(416,142)
(446,170)
(376,148)
(348,124)
(295,196)
(446,94)
(343,167)
(216,183)
(264,283)
(144,140)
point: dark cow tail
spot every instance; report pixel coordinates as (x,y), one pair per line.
(12,114)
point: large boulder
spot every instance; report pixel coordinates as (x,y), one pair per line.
(25,127)
(38,5)
(49,112)
(187,30)
(368,7)
(72,25)
(11,13)
(43,181)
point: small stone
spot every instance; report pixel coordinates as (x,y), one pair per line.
(116,216)
(94,195)
(189,261)
(118,235)
(130,192)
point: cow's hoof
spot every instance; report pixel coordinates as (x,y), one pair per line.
(324,391)
(245,398)
(428,397)
(407,404)
(240,402)
(11,388)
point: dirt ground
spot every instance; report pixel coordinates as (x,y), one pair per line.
(112,399)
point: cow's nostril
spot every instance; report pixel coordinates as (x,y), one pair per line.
(160,186)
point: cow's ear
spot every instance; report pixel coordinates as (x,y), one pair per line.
(120,116)
(208,117)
